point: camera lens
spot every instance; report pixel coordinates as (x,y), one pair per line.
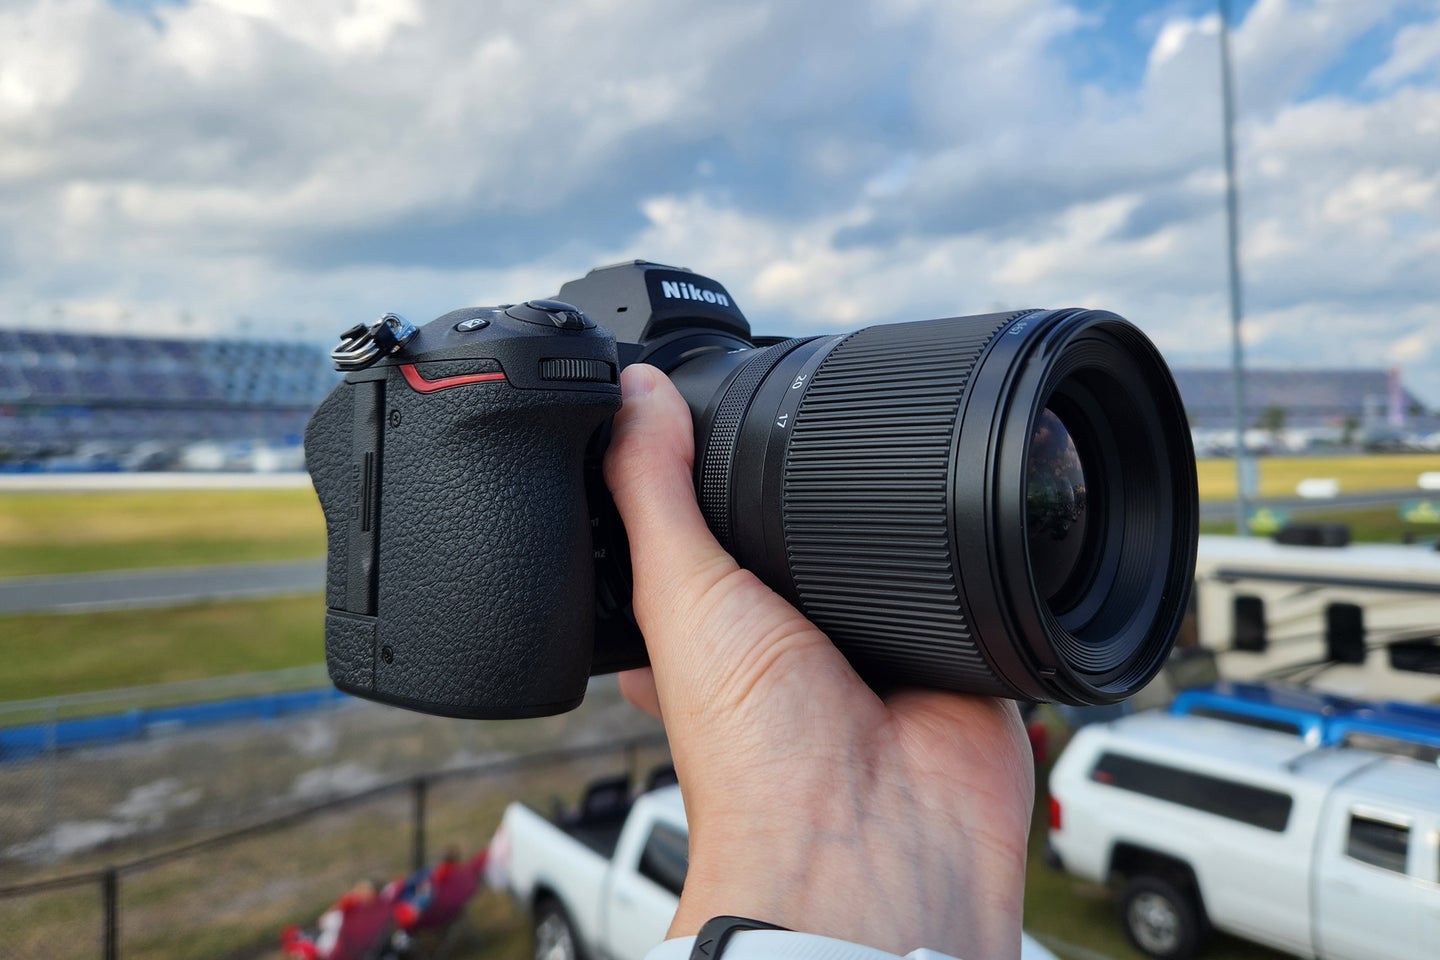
(1055,514)
(1003,504)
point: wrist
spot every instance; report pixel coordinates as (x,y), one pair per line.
(875,879)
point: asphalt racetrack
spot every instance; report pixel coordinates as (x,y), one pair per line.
(159,587)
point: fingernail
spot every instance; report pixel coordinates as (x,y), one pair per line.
(637,381)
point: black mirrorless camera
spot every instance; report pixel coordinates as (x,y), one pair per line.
(1004,504)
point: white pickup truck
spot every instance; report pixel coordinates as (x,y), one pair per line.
(1200,823)
(602,883)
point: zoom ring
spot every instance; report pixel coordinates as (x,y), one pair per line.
(866,501)
(715,474)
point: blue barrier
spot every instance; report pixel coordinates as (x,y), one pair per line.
(27,742)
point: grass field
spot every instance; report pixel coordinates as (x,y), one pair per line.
(51,533)
(48,655)
(1357,474)
(48,533)
(1368,525)
(45,533)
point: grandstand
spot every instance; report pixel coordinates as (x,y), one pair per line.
(60,392)
(1309,398)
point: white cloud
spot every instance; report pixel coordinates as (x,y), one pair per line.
(1414,54)
(832,164)
(1283,44)
(1370,197)
(1414,346)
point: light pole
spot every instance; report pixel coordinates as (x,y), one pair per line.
(1244,476)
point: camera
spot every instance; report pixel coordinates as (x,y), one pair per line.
(1003,504)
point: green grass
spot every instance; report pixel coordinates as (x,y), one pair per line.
(53,654)
(55,533)
(1357,474)
(50,533)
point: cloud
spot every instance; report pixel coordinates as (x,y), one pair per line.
(1415,55)
(833,164)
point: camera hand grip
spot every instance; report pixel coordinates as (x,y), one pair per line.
(461,578)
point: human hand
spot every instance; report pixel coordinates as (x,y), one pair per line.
(813,803)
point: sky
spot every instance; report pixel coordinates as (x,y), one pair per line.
(274,169)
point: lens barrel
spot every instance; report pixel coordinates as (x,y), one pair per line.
(904,487)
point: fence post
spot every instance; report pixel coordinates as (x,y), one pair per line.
(52,761)
(418,787)
(110,902)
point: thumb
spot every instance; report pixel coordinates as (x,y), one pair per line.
(649,470)
(712,630)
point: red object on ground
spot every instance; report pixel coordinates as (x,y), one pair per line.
(1054,814)
(406,914)
(454,884)
(365,923)
(1039,741)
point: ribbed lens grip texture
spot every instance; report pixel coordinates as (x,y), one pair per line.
(719,456)
(866,483)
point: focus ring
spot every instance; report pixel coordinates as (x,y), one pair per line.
(866,506)
(716,481)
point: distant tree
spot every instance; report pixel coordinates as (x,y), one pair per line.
(1415,408)
(1351,424)
(1272,420)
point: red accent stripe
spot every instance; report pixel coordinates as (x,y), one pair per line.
(420,384)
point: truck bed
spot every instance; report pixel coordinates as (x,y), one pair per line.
(601,838)
(600,816)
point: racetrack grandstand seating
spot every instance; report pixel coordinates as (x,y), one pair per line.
(1309,398)
(61,390)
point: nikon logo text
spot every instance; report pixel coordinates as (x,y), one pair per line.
(688,291)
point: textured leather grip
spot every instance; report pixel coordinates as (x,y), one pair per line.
(483,574)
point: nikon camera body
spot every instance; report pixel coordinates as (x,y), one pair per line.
(1003,504)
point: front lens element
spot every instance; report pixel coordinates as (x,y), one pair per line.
(1055,505)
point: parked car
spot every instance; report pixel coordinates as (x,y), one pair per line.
(1202,823)
(602,882)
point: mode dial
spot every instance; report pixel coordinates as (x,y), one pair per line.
(551,313)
